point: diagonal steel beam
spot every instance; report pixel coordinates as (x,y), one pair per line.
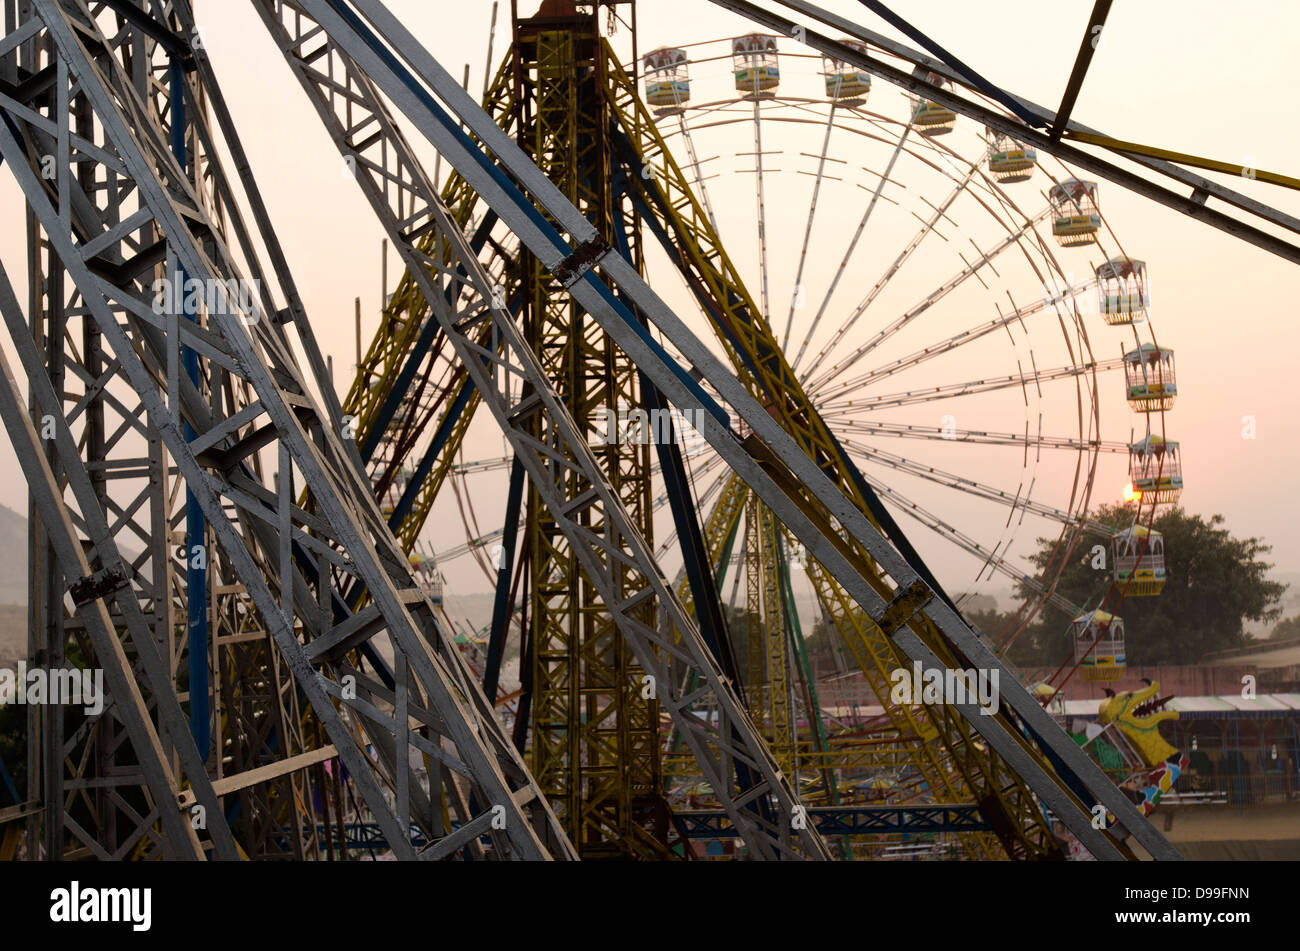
(345,509)
(561,466)
(1087,46)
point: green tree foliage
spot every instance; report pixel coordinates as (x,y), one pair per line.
(1034,647)
(1288,628)
(819,641)
(1216,582)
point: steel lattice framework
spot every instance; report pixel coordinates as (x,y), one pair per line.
(595,735)
(339,538)
(559,460)
(246,667)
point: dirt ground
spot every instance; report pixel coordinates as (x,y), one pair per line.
(1206,823)
(1229,833)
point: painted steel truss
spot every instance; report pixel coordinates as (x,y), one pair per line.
(433,736)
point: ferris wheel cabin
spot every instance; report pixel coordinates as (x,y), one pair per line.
(667,80)
(1075,219)
(1122,295)
(1155,469)
(1149,376)
(845,83)
(1099,646)
(1009,160)
(754,62)
(426,572)
(930,118)
(1139,554)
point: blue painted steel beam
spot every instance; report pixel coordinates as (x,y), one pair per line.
(416,482)
(196,578)
(708,606)
(979,82)
(501,607)
(411,365)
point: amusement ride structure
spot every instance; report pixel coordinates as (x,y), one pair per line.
(249,558)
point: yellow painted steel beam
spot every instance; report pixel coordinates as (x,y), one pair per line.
(755,655)
(780,715)
(595,744)
(1182,158)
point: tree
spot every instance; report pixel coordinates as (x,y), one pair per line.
(1288,628)
(1216,582)
(819,641)
(1036,647)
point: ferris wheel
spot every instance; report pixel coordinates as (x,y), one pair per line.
(962,314)
(968,324)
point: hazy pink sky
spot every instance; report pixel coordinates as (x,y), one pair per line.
(1191,76)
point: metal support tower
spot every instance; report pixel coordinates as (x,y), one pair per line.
(436,746)
(333,55)
(241,714)
(595,731)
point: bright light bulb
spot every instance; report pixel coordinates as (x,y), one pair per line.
(1131,494)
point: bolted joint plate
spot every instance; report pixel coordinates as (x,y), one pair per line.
(101,584)
(583,259)
(905,604)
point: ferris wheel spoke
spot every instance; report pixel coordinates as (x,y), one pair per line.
(689,141)
(883,282)
(834,409)
(762,207)
(701,500)
(949,434)
(807,231)
(839,370)
(483,465)
(474,544)
(853,243)
(1018,501)
(929,353)
(992,560)
(938,294)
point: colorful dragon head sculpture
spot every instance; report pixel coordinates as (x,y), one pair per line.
(1138,714)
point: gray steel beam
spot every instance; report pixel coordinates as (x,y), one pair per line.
(1087,46)
(92,591)
(98,764)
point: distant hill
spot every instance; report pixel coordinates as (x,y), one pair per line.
(13,634)
(1290,603)
(13,567)
(13,587)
